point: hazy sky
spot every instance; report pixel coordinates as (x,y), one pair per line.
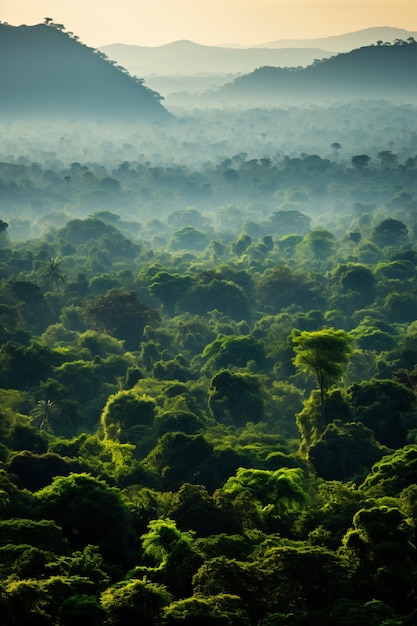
(155,22)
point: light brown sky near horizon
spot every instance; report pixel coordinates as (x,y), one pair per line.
(210,22)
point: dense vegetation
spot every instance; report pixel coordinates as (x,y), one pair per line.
(208,349)
(208,408)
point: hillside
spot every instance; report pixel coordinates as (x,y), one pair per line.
(48,72)
(382,71)
(346,41)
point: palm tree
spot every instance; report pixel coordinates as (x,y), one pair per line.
(43,414)
(50,274)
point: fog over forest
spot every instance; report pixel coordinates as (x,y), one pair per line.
(208,333)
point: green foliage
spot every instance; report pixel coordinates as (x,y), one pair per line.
(393,473)
(276,491)
(387,407)
(121,314)
(175,554)
(161,538)
(192,508)
(302,579)
(125,414)
(194,501)
(236,398)
(383,555)
(22,367)
(238,578)
(356,277)
(220,295)
(322,353)
(390,232)
(281,287)
(34,471)
(169,288)
(319,244)
(81,609)
(89,512)
(177,458)
(345,451)
(51,275)
(222,610)
(134,601)
(229,351)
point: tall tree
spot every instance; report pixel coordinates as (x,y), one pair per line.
(322,353)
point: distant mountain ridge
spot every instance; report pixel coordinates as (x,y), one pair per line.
(380,71)
(45,71)
(346,41)
(188,58)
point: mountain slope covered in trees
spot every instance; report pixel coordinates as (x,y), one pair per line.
(380,71)
(47,72)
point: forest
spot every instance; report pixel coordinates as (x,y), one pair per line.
(208,369)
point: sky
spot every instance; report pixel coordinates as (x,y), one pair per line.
(209,22)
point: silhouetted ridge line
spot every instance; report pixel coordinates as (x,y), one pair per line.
(48,72)
(381,71)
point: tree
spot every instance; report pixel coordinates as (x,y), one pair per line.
(236,398)
(390,232)
(175,554)
(168,288)
(381,549)
(320,243)
(229,576)
(43,415)
(393,474)
(387,159)
(220,610)
(358,278)
(132,602)
(387,407)
(35,471)
(193,508)
(121,314)
(281,287)
(80,610)
(303,580)
(234,350)
(51,275)
(189,238)
(275,491)
(177,458)
(3,234)
(360,161)
(126,414)
(345,451)
(322,353)
(221,295)
(89,512)
(288,222)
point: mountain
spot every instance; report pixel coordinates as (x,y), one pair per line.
(186,58)
(381,71)
(48,72)
(347,41)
